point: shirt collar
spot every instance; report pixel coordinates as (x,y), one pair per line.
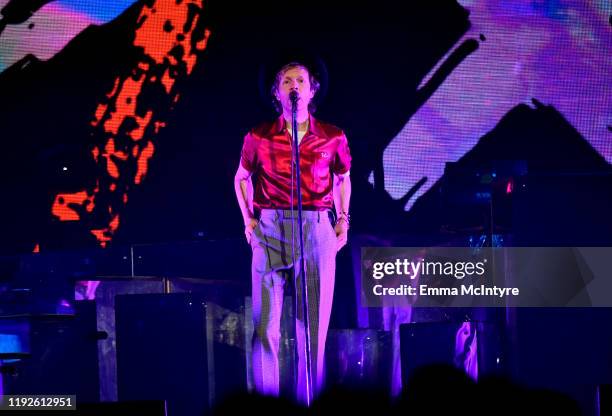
(314,126)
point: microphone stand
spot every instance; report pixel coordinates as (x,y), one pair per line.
(304,298)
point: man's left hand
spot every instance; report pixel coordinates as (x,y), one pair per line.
(341,233)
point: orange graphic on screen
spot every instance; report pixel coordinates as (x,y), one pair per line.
(170,38)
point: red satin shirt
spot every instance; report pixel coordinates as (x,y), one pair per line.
(267,153)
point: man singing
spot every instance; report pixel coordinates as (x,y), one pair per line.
(271,211)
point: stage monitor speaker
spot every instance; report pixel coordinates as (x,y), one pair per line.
(161,351)
(565,349)
(475,347)
(61,356)
(359,358)
(174,347)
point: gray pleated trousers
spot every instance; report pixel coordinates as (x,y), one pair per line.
(271,267)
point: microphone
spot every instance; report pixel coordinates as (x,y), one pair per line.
(294,96)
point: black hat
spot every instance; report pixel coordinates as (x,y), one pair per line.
(275,60)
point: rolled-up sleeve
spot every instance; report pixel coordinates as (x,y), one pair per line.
(248,156)
(342,161)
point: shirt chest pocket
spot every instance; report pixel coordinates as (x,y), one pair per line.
(321,170)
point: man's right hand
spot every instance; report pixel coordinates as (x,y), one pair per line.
(249,227)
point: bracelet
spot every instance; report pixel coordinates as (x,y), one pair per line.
(343,215)
(342,219)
